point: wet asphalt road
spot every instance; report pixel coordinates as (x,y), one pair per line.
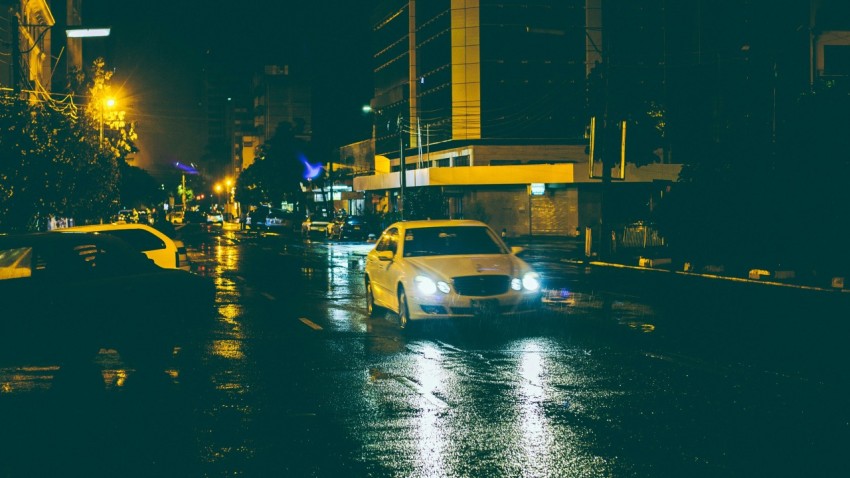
(633,376)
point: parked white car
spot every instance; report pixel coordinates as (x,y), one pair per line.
(176,217)
(166,252)
(441,269)
(315,225)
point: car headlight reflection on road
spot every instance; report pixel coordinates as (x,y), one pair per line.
(531,281)
(427,286)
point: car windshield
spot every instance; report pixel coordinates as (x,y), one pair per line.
(453,240)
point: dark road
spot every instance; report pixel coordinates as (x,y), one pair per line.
(633,376)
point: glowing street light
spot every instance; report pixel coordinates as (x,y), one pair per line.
(87,32)
(105,103)
(217,193)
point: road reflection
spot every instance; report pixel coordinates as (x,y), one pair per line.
(533,427)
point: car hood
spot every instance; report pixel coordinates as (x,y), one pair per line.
(485,264)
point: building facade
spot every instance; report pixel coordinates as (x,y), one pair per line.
(277,95)
(27,31)
(486,102)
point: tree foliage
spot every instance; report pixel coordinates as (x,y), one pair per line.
(644,115)
(277,173)
(51,159)
(49,165)
(95,85)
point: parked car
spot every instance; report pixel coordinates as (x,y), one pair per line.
(441,269)
(269,218)
(315,224)
(176,217)
(334,226)
(70,294)
(145,217)
(160,248)
(127,215)
(349,227)
(215,217)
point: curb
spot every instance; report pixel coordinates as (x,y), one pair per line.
(707,276)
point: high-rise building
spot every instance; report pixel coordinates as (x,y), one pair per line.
(281,94)
(479,71)
(487,101)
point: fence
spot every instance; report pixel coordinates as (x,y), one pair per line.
(640,236)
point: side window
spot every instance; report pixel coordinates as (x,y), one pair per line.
(61,261)
(140,239)
(393,242)
(388,241)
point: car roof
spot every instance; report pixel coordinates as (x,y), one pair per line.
(114,227)
(48,238)
(438,223)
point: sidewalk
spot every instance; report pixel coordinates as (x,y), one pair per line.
(572,251)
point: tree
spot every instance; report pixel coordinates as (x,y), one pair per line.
(138,188)
(50,165)
(52,161)
(95,85)
(278,171)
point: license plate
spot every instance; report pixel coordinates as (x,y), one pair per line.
(485,307)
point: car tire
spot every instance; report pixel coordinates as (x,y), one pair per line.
(403,310)
(371,308)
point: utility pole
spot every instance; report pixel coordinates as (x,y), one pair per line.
(401,168)
(16,53)
(606,133)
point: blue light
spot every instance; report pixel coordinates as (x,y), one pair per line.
(311,171)
(188,169)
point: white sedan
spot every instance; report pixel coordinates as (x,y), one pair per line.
(440,269)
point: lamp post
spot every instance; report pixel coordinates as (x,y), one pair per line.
(401,168)
(104,103)
(229,202)
(217,194)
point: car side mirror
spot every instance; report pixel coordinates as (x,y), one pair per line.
(516,249)
(385,256)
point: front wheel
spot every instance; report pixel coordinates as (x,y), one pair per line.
(403,310)
(371,308)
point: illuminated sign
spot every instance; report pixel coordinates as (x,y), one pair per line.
(537,189)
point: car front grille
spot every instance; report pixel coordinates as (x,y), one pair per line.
(480,286)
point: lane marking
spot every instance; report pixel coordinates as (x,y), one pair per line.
(421,391)
(268,296)
(310,323)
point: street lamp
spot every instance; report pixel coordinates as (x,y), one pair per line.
(217,194)
(229,200)
(104,103)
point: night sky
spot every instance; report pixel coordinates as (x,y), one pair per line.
(158,49)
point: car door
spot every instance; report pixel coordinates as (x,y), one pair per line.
(380,274)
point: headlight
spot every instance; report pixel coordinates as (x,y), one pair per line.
(531,281)
(427,286)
